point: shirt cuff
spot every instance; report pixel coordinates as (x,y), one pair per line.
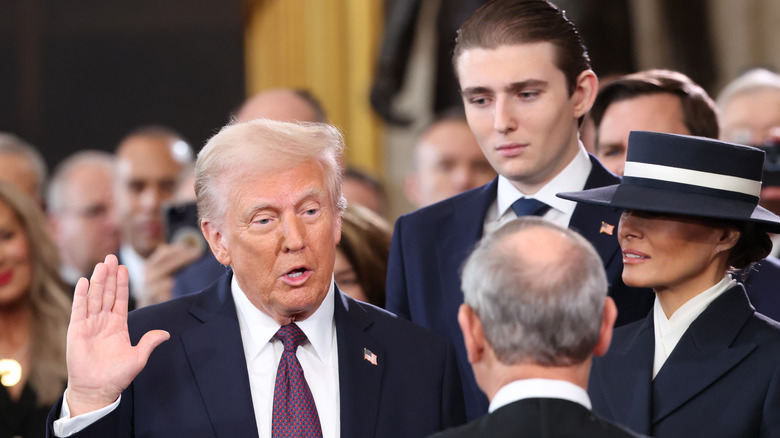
(67,426)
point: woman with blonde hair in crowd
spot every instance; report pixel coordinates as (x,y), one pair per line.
(34,315)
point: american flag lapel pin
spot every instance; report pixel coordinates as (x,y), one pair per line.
(606,228)
(369,356)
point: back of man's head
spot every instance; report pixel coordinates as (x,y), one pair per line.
(538,290)
(700,114)
(511,22)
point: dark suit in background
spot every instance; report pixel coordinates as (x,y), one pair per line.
(539,418)
(430,246)
(762,285)
(196,384)
(721,380)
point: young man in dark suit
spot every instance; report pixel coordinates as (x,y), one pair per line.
(526,83)
(273,346)
(536,311)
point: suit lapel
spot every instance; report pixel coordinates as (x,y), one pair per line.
(626,373)
(456,237)
(703,354)
(216,356)
(360,381)
(587,219)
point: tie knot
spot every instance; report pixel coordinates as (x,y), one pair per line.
(529,207)
(291,336)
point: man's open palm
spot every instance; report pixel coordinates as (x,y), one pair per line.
(101,360)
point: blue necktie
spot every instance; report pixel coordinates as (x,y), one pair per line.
(529,207)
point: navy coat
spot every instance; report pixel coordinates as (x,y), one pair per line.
(721,380)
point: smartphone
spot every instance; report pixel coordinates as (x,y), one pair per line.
(181,225)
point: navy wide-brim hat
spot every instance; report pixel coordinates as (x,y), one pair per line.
(686,175)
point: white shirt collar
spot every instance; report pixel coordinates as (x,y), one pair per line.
(669,331)
(571,179)
(539,388)
(136,269)
(258,328)
(69,274)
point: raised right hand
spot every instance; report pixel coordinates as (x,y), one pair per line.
(101,361)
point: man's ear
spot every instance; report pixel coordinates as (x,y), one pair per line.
(473,336)
(584,94)
(213,234)
(607,324)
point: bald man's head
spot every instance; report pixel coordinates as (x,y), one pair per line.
(284,105)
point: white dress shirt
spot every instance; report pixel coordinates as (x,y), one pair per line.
(571,179)
(318,358)
(136,270)
(669,331)
(539,388)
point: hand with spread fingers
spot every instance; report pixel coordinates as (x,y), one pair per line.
(101,361)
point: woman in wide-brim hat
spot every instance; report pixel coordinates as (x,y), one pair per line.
(703,362)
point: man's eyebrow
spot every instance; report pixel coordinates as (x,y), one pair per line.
(530,83)
(475,90)
(513,87)
(313,193)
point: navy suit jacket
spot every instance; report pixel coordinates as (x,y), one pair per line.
(196,384)
(430,246)
(198,275)
(721,380)
(539,418)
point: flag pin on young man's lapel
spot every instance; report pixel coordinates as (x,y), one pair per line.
(369,356)
(606,228)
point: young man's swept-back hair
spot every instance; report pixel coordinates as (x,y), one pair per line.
(511,22)
(699,112)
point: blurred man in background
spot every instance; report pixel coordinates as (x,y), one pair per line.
(750,114)
(447,161)
(80,201)
(651,100)
(151,161)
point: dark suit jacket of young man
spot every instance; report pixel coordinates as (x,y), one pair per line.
(539,418)
(430,246)
(721,380)
(196,384)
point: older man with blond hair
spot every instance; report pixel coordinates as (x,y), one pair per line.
(273,347)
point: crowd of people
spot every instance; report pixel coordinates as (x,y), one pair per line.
(585,259)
